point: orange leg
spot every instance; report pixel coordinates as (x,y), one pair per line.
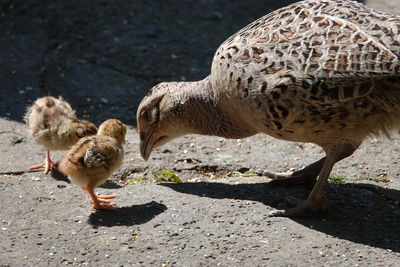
(47,164)
(103,199)
(97,199)
(106,197)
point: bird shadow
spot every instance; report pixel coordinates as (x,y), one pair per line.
(127,216)
(59,176)
(360,213)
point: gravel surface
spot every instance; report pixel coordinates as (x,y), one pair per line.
(102,57)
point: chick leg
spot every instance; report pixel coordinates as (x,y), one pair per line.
(47,164)
(104,198)
(107,196)
(316,199)
(96,200)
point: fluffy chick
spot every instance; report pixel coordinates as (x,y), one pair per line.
(93,159)
(53,124)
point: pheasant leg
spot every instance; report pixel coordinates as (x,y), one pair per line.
(316,199)
(96,200)
(307,175)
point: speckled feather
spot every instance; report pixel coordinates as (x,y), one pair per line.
(315,71)
(320,66)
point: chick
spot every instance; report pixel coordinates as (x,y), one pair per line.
(53,124)
(93,159)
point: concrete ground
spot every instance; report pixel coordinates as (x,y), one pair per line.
(102,57)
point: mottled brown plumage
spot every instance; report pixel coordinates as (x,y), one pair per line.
(324,71)
(94,158)
(53,124)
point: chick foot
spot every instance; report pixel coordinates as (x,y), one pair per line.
(104,199)
(38,166)
(108,205)
(47,164)
(97,200)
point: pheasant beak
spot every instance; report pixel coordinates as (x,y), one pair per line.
(145,146)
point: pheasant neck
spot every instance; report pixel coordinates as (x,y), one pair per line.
(205,114)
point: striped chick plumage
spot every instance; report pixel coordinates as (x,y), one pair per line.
(94,158)
(53,124)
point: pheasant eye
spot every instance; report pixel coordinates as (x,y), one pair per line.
(145,115)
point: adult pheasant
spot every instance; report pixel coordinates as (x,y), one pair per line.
(319,71)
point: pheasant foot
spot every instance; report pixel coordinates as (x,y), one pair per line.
(316,199)
(305,207)
(307,175)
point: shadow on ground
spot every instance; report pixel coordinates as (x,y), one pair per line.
(127,216)
(359,213)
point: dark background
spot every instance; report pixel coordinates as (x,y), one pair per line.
(103,56)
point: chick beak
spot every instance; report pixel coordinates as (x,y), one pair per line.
(146,147)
